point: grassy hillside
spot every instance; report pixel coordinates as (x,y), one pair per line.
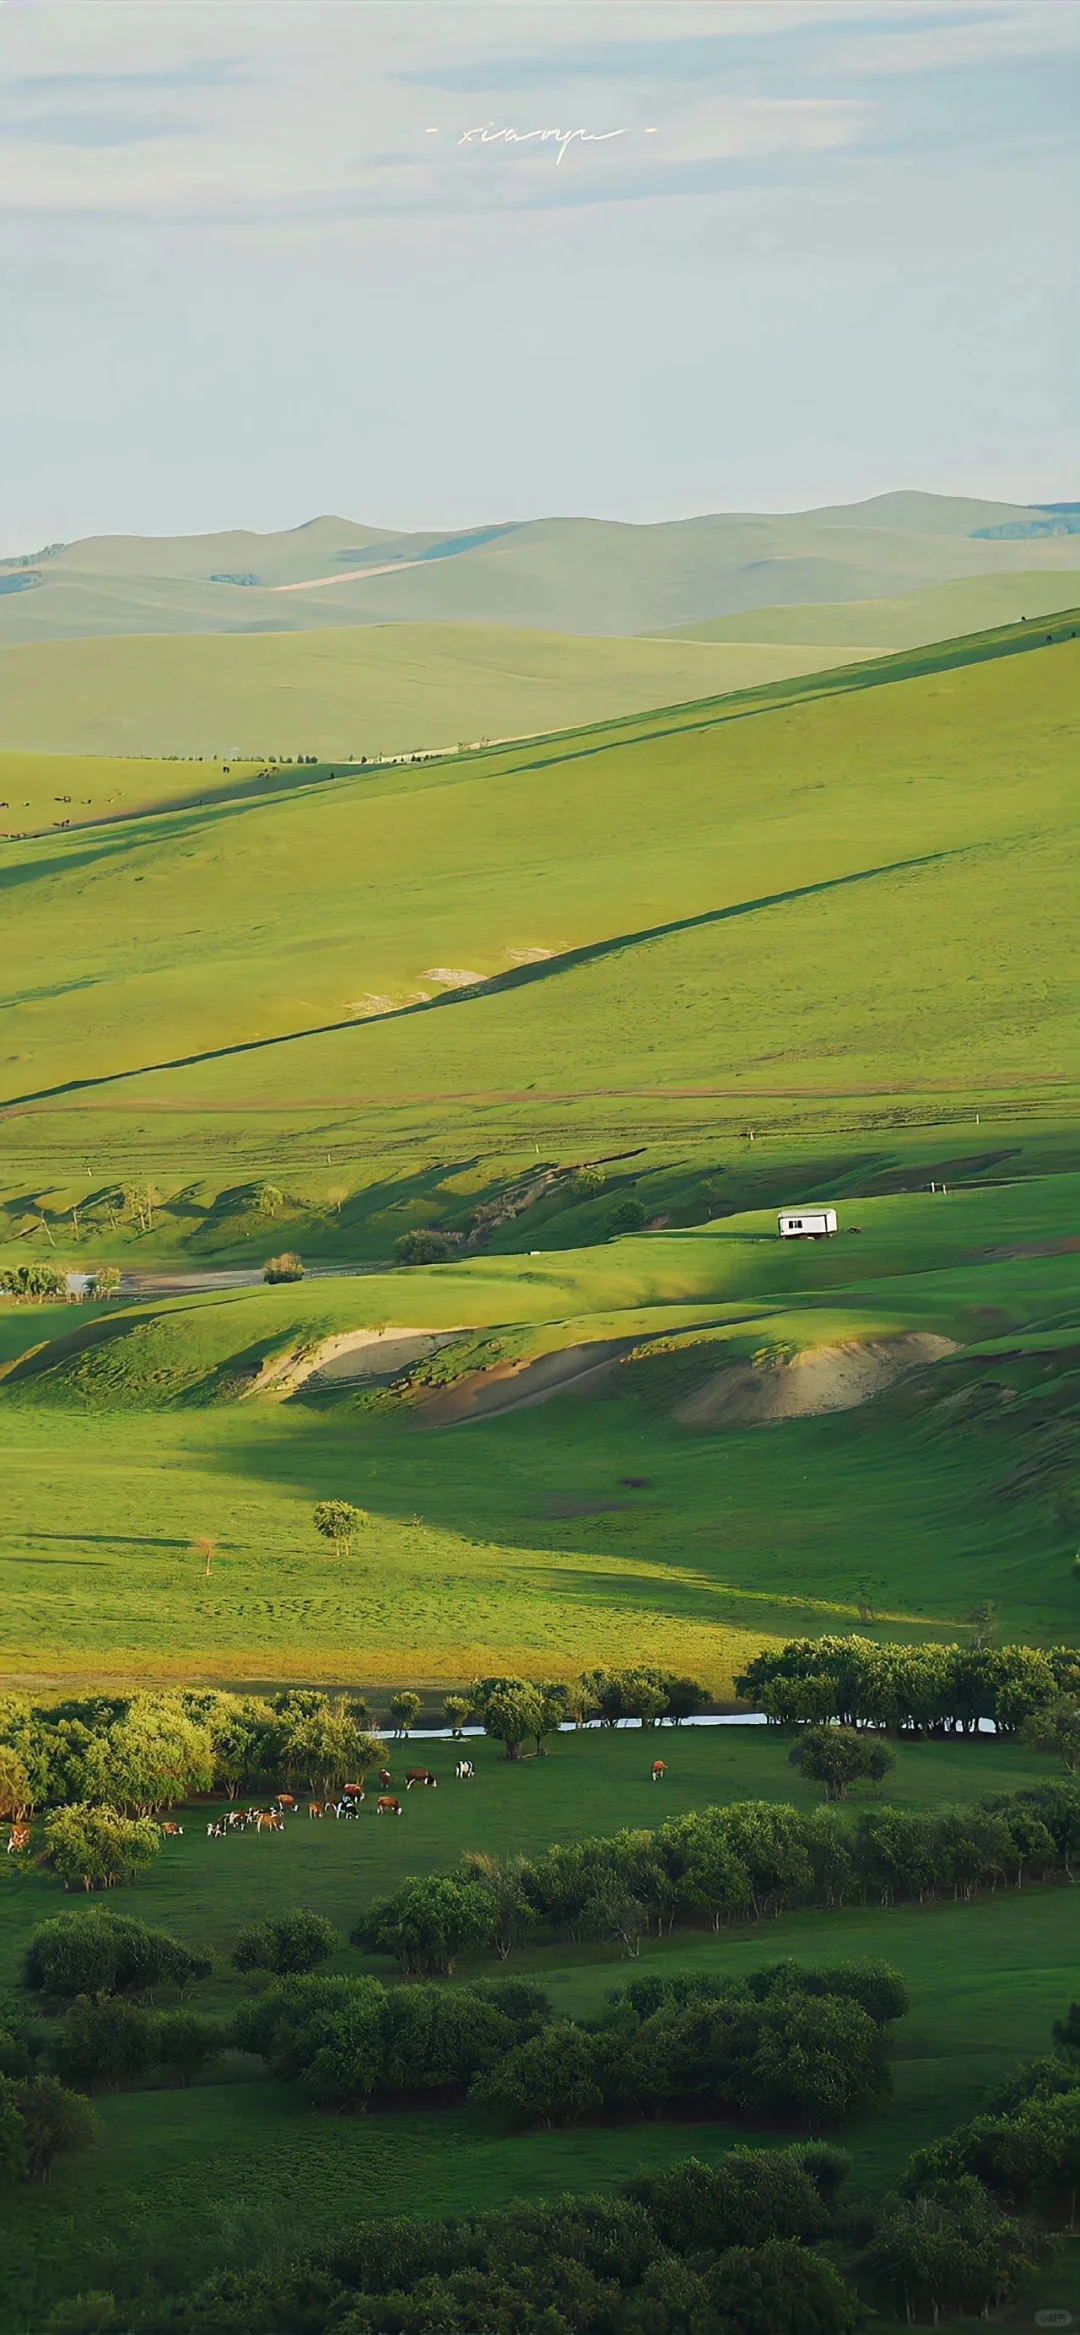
(934,612)
(775,1426)
(376,689)
(562,574)
(830,895)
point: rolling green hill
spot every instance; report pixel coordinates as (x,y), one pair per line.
(562,574)
(934,612)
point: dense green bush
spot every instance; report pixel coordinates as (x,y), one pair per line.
(52,2119)
(354,2040)
(427,1923)
(296,1941)
(105,1953)
(422,1248)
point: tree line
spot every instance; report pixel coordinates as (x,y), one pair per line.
(764,2242)
(920,1690)
(745,1862)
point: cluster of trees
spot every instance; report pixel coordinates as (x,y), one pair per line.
(925,1690)
(808,2048)
(744,1862)
(731,2249)
(140,1754)
(517,1710)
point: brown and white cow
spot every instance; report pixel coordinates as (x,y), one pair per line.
(659,1770)
(286,1803)
(171,1831)
(18,1838)
(386,1805)
(352,1792)
(419,1775)
(316,1808)
(269,1820)
(385,1778)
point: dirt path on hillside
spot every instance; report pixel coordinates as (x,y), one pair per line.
(522,1386)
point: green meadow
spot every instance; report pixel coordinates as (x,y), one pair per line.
(183,2179)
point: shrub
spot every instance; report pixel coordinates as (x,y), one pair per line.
(296,1941)
(422,1248)
(287,1267)
(103,1953)
(427,1923)
(183,2043)
(629,1216)
(551,2079)
(96,1848)
(33,1283)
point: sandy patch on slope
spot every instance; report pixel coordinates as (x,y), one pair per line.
(824,1378)
(521,1386)
(354,1358)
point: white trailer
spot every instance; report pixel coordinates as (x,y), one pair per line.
(806,1223)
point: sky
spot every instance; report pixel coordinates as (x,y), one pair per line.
(432,266)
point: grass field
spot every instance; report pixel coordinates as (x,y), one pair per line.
(356,689)
(184,2177)
(931,613)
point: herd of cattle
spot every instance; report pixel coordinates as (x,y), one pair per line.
(349,1804)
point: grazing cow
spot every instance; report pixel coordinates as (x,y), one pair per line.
(269,1820)
(352,1791)
(347,1810)
(286,1803)
(419,1775)
(386,1805)
(464,1770)
(318,1807)
(18,1838)
(385,1778)
(172,1831)
(659,1770)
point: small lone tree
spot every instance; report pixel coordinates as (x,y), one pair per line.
(838,1756)
(205,1547)
(287,1943)
(287,1267)
(404,1711)
(269,1200)
(338,1521)
(457,1710)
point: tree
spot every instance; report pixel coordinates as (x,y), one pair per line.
(427,1923)
(296,1941)
(513,1712)
(105,2044)
(287,1267)
(504,1878)
(184,2043)
(338,1521)
(97,1848)
(106,1280)
(153,1756)
(1056,1729)
(324,1746)
(405,1708)
(13,2165)
(269,1200)
(982,1621)
(16,1789)
(422,1248)
(53,2120)
(780,2288)
(838,1756)
(105,1953)
(549,2080)
(457,1711)
(685,1697)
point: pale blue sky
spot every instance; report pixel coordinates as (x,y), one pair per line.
(250,271)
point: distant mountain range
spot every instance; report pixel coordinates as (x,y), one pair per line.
(569,575)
